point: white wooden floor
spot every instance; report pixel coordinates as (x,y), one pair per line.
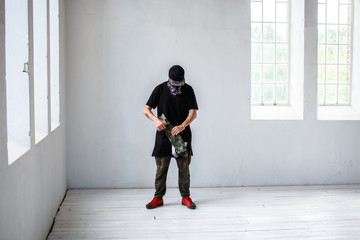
(301,212)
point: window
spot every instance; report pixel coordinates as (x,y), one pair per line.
(17,78)
(40,66)
(277,59)
(32,81)
(54,64)
(334,52)
(338,51)
(270,52)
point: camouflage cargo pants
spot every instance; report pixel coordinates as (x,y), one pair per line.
(162,167)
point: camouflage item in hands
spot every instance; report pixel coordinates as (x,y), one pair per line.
(177,141)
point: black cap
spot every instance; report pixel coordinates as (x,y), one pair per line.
(176,73)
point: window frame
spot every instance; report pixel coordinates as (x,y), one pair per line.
(18,145)
(275,63)
(295,109)
(350,112)
(39,74)
(14,154)
(324,64)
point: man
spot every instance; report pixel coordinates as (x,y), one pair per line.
(176,100)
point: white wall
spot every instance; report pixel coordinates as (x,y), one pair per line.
(32,188)
(118,51)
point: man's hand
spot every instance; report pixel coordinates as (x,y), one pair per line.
(148,113)
(176,130)
(159,124)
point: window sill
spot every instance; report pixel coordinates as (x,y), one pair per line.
(275,113)
(337,113)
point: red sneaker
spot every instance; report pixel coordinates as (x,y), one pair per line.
(188,202)
(155,203)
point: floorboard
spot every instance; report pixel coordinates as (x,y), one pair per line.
(284,212)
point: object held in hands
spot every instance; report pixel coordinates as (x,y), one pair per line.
(177,141)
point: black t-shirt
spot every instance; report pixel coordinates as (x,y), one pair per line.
(176,109)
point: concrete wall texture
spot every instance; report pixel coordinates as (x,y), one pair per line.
(118,51)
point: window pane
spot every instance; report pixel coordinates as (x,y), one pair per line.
(321,13)
(281,32)
(281,93)
(331,73)
(40,69)
(256,93)
(331,54)
(268,73)
(332,33)
(321,54)
(344,54)
(282,73)
(345,16)
(269,32)
(256,35)
(332,11)
(331,94)
(344,34)
(321,34)
(281,12)
(256,73)
(54,63)
(344,74)
(256,11)
(321,74)
(17,82)
(269,94)
(269,10)
(321,94)
(269,53)
(281,53)
(256,53)
(344,94)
